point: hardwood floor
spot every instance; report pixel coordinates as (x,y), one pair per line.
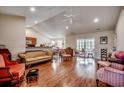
(79,72)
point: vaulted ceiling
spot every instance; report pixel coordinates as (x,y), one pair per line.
(58,21)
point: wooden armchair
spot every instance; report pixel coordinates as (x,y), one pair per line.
(64,55)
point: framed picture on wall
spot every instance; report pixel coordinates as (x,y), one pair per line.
(103,40)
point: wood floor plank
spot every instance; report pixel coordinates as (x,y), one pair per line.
(78,72)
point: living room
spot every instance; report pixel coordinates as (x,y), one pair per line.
(66,42)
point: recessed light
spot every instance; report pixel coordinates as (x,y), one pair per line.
(35,22)
(32,9)
(66,27)
(96,20)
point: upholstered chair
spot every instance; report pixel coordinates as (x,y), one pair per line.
(110,76)
(64,55)
(112,73)
(10,70)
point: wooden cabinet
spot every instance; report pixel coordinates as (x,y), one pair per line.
(31,41)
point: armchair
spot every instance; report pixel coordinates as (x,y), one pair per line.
(6,77)
(112,71)
(110,76)
(64,55)
(10,70)
(5,50)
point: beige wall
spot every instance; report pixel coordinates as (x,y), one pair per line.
(41,39)
(12,33)
(120,32)
(71,40)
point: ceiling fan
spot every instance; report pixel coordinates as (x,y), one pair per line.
(70,17)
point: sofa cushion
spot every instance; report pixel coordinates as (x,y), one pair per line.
(49,52)
(38,58)
(17,69)
(35,54)
(120,55)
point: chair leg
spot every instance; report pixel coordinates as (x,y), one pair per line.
(98,66)
(97,82)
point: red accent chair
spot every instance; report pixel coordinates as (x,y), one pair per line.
(6,51)
(10,70)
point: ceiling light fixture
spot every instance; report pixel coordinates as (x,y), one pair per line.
(32,9)
(96,20)
(67,27)
(35,22)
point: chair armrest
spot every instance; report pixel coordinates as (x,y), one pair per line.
(22,57)
(4,71)
(12,63)
(114,70)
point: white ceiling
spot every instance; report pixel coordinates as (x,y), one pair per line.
(50,18)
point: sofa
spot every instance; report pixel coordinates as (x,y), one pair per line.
(33,57)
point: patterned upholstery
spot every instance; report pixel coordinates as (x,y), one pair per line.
(112,72)
(117,66)
(104,63)
(111,76)
(113,65)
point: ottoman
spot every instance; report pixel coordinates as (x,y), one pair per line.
(32,75)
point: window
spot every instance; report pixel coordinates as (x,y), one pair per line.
(86,44)
(60,44)
(57,43)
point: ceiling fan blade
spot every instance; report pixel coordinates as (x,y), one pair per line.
(68,15)
(66,19)
(75,15)
(71,21)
